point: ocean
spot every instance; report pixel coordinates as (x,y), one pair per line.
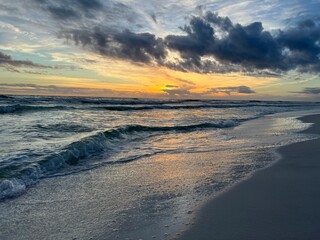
(158,157)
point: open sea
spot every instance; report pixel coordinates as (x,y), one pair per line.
(162,153)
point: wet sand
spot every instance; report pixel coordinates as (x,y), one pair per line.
(279,202)
(152,198)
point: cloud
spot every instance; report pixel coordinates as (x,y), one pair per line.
(12,65)
(302,45)
(233,47)
(87,14)
(211,43)
(62,13)
(154,17)
(6,8)
(137,47)
(7,62)
(177,92)
(248,47)
(310,91)
(89,4)
(171,86)
(52,89)
(265,73)
(245,89)
(208,43)
(35,89)
(69,10)
(231,90)
(185,81)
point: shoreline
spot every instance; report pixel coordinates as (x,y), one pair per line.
(143,199)
(276,202)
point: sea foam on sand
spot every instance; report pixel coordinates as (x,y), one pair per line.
(151,198)
(279,202)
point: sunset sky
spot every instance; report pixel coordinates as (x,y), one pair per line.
(230,49)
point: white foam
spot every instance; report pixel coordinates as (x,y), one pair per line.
(11,188)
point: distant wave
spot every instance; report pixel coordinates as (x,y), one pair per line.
(64,127)
(202,106)
(14,179)
(21,104)
(91,101)
(4,96)
(17,108)
(132,101)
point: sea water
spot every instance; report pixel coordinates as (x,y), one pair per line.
(156,157)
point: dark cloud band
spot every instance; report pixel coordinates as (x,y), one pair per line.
(7,61)
(210,43)
(310,91)
(12,65)
(214,44)
(231,90)
(248,47)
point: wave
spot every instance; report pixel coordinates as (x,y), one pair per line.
(27,108)
(20,104)
(183,128)
(18,108)
(100,101)
(202,106)
(64,127)
(14,180)
(4,96)
(93,101)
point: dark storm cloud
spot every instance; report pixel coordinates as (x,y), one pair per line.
(302,42)
(198,41)
(210,43)
(231,90)
(249,47)
(138,47)
(223,23)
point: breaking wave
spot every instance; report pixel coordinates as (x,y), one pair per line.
(15,179)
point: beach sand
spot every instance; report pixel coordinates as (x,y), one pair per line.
(279,202)
(157,196)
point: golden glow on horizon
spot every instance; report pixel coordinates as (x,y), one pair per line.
(118,77)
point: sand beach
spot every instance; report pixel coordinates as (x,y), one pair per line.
(279,202)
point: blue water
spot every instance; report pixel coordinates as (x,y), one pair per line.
(44,137)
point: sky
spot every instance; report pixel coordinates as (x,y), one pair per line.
(221,49)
